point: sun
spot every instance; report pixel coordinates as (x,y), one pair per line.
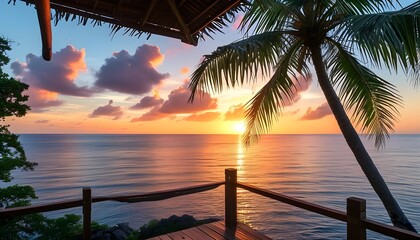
(239,127)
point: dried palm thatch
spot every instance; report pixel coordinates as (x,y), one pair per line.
(187,20)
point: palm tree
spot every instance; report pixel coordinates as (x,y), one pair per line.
(337,37)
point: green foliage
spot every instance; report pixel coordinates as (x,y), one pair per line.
(20,227)
(16,196)
(63,228)
(285,33)
(11,91)
(12,154)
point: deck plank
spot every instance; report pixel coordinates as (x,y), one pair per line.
(195,233)
(237,232)
(211,233)
(222,232)
(215,231)
(178,236)
(253,232)
(164,237)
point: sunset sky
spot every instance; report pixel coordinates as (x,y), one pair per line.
(99,83)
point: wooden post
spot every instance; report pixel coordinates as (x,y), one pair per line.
(230,198)
(87,209)
(356,211)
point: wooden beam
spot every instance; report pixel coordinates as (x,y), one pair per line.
(148,28)
(181,22)
(233,3)
(44,18)
(182,2)
(149,11)
(117,9)
(204,12)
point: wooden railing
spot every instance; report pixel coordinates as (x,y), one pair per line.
(355,217)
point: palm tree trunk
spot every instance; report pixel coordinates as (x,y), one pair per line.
(397,216)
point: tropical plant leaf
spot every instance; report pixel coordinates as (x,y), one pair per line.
(388,39)
(372,100)
(237,63)
(264,108)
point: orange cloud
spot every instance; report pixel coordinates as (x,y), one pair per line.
(40,99)
(57,75)
(185,70)
(235,113)
(178,102)
(204,117)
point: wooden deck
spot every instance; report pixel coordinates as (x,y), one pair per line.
(214,231)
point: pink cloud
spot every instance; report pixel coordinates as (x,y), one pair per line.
(291,113)
(57,75)
(178,102)
(40,99)
(318,113)
(107,110)
(237,22)
(203,117)
(301,84)
(147,102)
(153,114)
(185,70)
(132,74)
(235,113)
(42,121)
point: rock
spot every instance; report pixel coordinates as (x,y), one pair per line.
(119,234)
(124,226)
(106,236)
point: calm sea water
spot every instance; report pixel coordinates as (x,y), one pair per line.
(316,168)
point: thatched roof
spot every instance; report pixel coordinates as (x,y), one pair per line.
(187,20)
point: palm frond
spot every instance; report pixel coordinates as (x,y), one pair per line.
(388,39)
(264,108)
(238,62)
(269,15)
(372,100)
(360,7)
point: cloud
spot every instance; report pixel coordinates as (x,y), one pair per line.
(40,99)
(185,70)
(107,110)
(235,113)
(237,22)
(318,113)
(57,75)
(204,117)
(132,74)
(301,85)
(42,121)
(291,113)
(147,102)
(153,114)
(178,102)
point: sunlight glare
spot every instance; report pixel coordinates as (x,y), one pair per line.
(239,127)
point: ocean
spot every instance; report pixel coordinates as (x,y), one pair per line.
(316,168)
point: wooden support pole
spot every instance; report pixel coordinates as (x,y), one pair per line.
(44,19)
(356,211)
(230,198)
(87,210)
